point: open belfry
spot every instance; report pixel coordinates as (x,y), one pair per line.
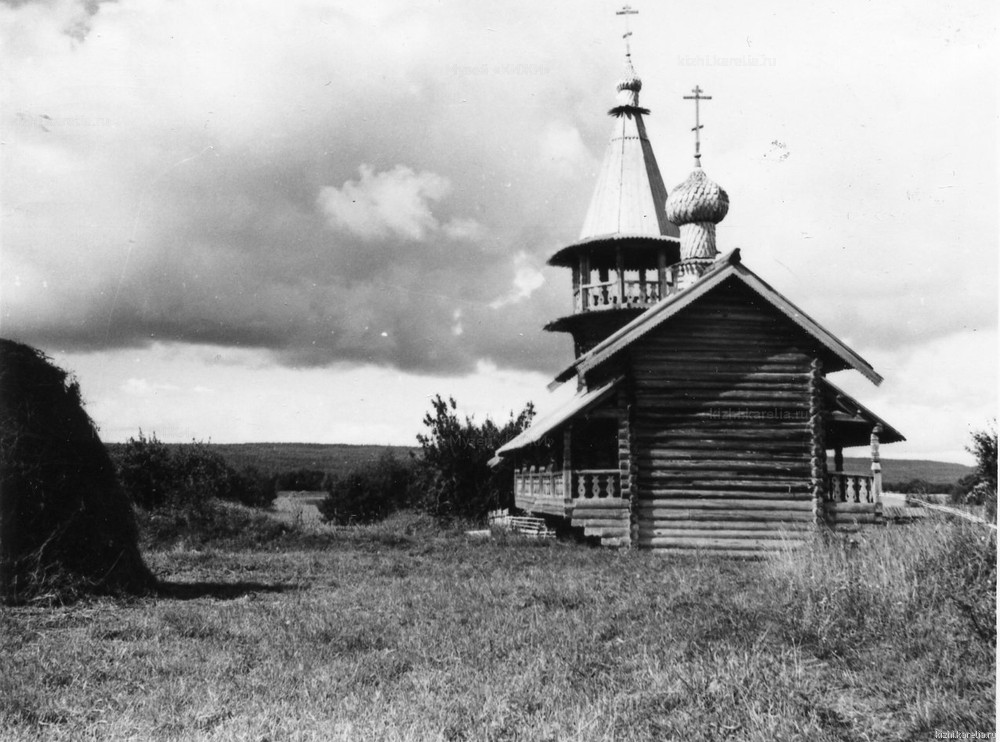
(703,418)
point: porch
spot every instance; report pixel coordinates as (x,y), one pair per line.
(590,499)
(852,500)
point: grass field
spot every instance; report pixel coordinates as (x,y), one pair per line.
(407,630)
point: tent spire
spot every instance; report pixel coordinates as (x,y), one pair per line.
(629,196)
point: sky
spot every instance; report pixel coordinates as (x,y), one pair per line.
(299,221)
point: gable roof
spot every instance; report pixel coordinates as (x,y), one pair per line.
(583,401)
(727,267)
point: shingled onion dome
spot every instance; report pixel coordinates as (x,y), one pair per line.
(696,206)
(628,91)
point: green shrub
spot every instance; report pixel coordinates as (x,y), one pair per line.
(147,471)
(454,478)
(187,477)
(980,488)
(368,493)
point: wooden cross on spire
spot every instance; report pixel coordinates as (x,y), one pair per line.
(697,98)
(626,11)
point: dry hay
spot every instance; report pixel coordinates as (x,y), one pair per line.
(66,525)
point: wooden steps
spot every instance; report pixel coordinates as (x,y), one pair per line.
(606,518)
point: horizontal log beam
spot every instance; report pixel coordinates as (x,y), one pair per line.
(614,523)
(653,514)
(651,527)
(664,437)
(721,454)
(609,503)
(706,429)
(730,504)
(728,493)
(730,533)
(719,543)
(835,506)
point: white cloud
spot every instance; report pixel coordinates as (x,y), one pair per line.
(395,202)
(527,280)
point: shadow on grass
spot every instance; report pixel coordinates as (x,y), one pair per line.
(219,590)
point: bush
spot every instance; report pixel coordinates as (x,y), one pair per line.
(981,487)
(147,472)
(187,477)
(368,493)
(454,478)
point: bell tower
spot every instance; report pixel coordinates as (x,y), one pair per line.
(620,261)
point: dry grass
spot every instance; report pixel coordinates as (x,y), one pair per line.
(406,631)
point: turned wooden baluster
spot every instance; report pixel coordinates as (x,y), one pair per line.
(876,468)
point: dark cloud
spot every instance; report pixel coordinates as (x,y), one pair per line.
(336,189)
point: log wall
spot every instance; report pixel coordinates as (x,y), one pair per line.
(723,440)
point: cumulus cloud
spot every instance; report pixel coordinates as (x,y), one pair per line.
(182,172)
(325,184)
(527,279)
(395,202)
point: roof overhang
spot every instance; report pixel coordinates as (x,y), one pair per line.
(579,404)
(850,423)
(727,267)
(633,246)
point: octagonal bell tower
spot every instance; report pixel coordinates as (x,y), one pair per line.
(620,261)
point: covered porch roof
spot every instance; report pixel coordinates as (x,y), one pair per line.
(850,423)
(583,401)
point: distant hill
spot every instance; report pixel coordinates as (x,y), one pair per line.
(903,470)
(275,458)
(335,458)
(339,458)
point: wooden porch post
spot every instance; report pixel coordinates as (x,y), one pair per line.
(876,472)
(817,456)
(584,281)
(838,459)
(567,471)
(620,268)
(576,287)
(626,464)
(661,270)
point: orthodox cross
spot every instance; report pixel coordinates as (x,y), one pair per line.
(627,11)
(697,98)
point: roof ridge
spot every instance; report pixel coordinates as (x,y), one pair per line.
(728,265)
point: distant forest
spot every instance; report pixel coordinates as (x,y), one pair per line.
(337,459)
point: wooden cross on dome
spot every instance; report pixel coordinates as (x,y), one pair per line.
(697,98)
(626,11)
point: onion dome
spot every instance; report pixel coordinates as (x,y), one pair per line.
(628,91)
(697,199)
(631,81)
(696,206)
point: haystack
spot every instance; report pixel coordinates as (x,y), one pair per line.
(66,525)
